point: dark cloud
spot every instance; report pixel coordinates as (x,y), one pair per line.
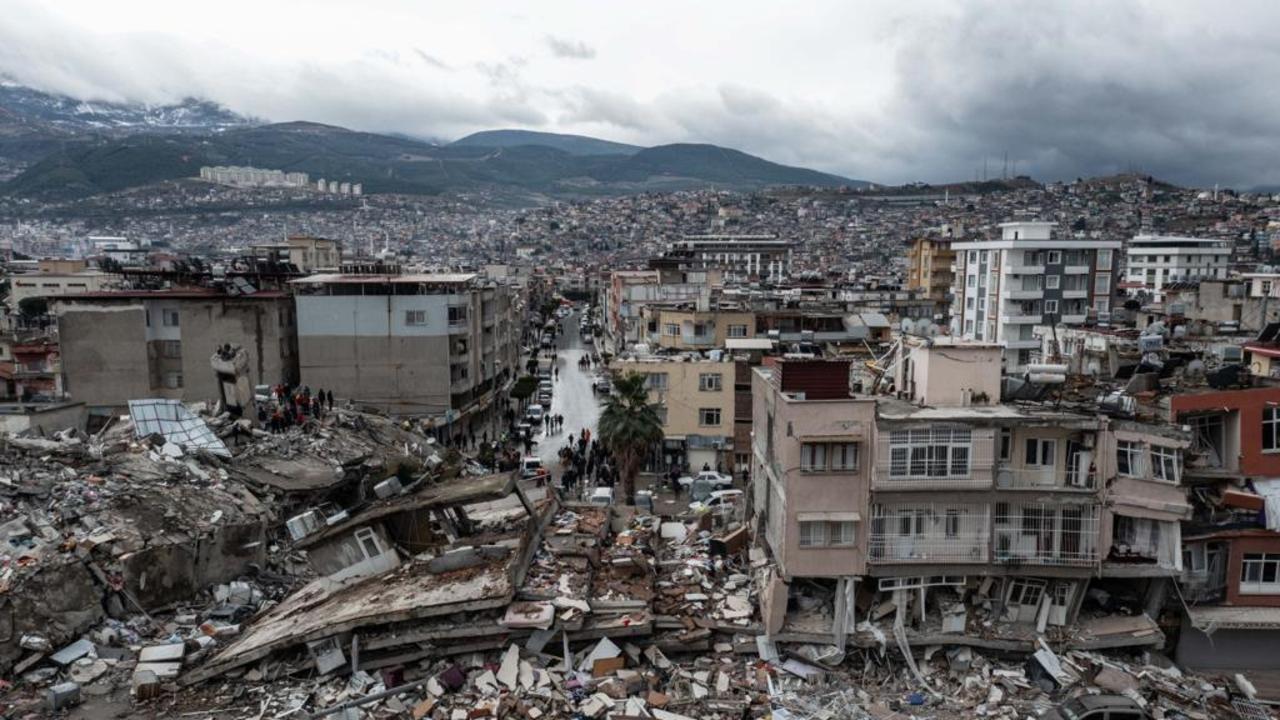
(572,49)
(431,60)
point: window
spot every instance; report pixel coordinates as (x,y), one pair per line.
(1051,307)
(1260,574)
(939,451)
(458,315)
(973,281)
(1166,462)
(671,330)
(968,326)
(1026,593)
(699,330)
(1129,458)
(1055,257)
(953,523)
(1270,429)
(737,331)
(1102,284)
(1006,444)
(818,457)
(655,381)
(415,317)
(710,382)
(367,539)
(173,380)
(709,417)
(1104,260)
(171,349)
(661,411)
(821,533)
(170,318)
(1041,452)
(969,302)
(1266,287)
(1052,282)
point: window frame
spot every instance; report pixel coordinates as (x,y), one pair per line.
(1165,462)
(703,415)
(710,382)
(1271,417)
(1135,459)
(415,318)
(1262,563)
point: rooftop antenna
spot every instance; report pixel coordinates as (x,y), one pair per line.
(1006,165)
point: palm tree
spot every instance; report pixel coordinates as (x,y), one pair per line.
(629,427)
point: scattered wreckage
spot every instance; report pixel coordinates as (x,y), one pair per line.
(350,569)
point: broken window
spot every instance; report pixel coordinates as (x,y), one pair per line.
(367,539)
(1207,438)
(1041,452)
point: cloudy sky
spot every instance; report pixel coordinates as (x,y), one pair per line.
(887,91)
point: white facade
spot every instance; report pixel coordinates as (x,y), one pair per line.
(1157,260)
(1004,288)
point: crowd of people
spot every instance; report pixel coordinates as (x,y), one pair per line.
(290,406)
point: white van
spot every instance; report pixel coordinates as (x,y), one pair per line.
(531,467)
(602,496)
(535,413)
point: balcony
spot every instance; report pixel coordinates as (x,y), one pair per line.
(1046,535)
(1025,270)
(1075,294)
(1075,318)
(1036,294)
(1075,270)
(1048,478)
(1021,319)
(697,340)
(928,533)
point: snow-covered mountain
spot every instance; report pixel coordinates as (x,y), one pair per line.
(27,106)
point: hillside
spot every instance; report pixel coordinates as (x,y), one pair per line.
(572,144)
(396,164)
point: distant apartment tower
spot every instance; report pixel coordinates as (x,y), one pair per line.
(1157,260)
(1004,288)
(741,257)
(438,346)
(252,177)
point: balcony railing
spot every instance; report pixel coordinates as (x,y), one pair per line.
(1043,534)
(1048,478)
(929,533)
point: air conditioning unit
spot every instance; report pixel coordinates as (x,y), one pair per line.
(1231,353)
(388,488)
(304,524)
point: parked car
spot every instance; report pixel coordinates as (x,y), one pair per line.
(721,502)
(1098,707)
(644,501)
(535,413)
(718,481)
(262,393)
(587,340)
(602,496)
(604,386)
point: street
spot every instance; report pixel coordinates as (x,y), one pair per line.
(572,396)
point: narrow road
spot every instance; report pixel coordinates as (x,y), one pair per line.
(571,397)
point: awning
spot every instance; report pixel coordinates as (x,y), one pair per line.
(1208,619)
(835,438)
(828,516)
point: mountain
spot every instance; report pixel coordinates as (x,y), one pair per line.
(64,148)
(22,104)
(572,144)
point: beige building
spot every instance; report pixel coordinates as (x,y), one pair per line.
(128,345)
(308,254)
(438,346)
(687,329)
(56,276)
(929,268)
(697,401)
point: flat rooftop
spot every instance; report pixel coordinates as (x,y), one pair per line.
(410,279)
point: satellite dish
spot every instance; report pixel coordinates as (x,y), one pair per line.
(908,326)
(930,330)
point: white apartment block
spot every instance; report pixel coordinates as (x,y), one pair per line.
(1157,260)
(1004,288)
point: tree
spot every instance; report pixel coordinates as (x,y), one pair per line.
(629,428)
(33,307)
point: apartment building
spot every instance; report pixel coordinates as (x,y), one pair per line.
(1231,549)
(629,291)
(130,344)
(1004,288)
(696,402)
(56,277)
(931,269)
(742,258)
(1154,261)
(954,494)
(686,328)
(431,345)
